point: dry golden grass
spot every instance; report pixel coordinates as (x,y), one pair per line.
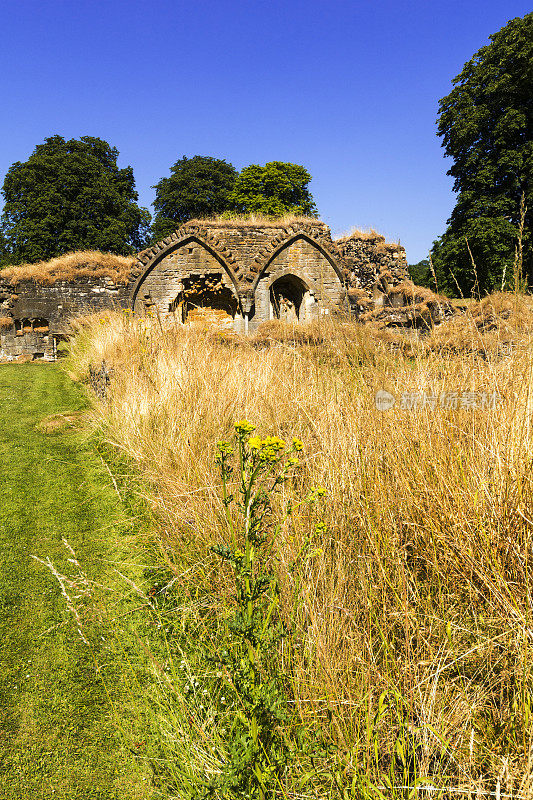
(256,220)
(413,292)
(388,247)
(360,297)
(416,294)
(69,267)
(358,233)
(421,584)
(6,323)
(502,308)
(491,328)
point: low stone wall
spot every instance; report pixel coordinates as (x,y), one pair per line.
(32,343)
(406,305)
(57,303)
(40,312)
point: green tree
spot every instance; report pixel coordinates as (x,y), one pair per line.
(198,187)
(486,125)
(71,195)
(277,188)
(421,274)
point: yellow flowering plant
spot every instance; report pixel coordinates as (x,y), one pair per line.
(252,470)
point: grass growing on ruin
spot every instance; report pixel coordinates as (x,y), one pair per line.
(407,658)
(256,220)
(71,266)
(58,732)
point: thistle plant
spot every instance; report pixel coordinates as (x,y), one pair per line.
(258,742)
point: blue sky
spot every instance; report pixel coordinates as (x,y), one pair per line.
(349,89)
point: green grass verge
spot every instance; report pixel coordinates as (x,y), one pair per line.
(58,714)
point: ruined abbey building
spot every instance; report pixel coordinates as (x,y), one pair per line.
(232,274)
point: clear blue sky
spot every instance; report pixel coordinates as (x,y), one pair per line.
(347,88)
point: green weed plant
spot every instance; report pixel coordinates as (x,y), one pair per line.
(258,736)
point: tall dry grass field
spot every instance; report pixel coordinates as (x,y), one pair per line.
(411,613)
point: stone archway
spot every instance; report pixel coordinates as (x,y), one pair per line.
(288,299)
(204,299)
(159,274)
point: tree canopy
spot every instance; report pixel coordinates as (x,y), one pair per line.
(277,188)
(197,187)
(486,125)
(421,274)
(71,195)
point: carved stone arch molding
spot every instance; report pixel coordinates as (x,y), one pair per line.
(148,259)
(325,247)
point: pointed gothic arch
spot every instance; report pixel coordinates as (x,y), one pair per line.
(291,239)
(165,248)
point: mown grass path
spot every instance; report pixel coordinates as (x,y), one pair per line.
(57,738)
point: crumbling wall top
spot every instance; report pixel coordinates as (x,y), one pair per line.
(80,264)
(244,246)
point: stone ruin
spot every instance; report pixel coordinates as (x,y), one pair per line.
(226,273)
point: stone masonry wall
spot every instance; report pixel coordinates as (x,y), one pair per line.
(245,259)
(171,281)
(230,274)
(321,286)
(40,312)
(372,267)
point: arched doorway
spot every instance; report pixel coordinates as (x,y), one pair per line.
(288,296)
(205,300)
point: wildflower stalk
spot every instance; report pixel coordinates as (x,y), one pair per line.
(257,749)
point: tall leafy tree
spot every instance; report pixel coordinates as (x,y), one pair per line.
(486,125)
(197,187)
(277,188)
(71,195)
